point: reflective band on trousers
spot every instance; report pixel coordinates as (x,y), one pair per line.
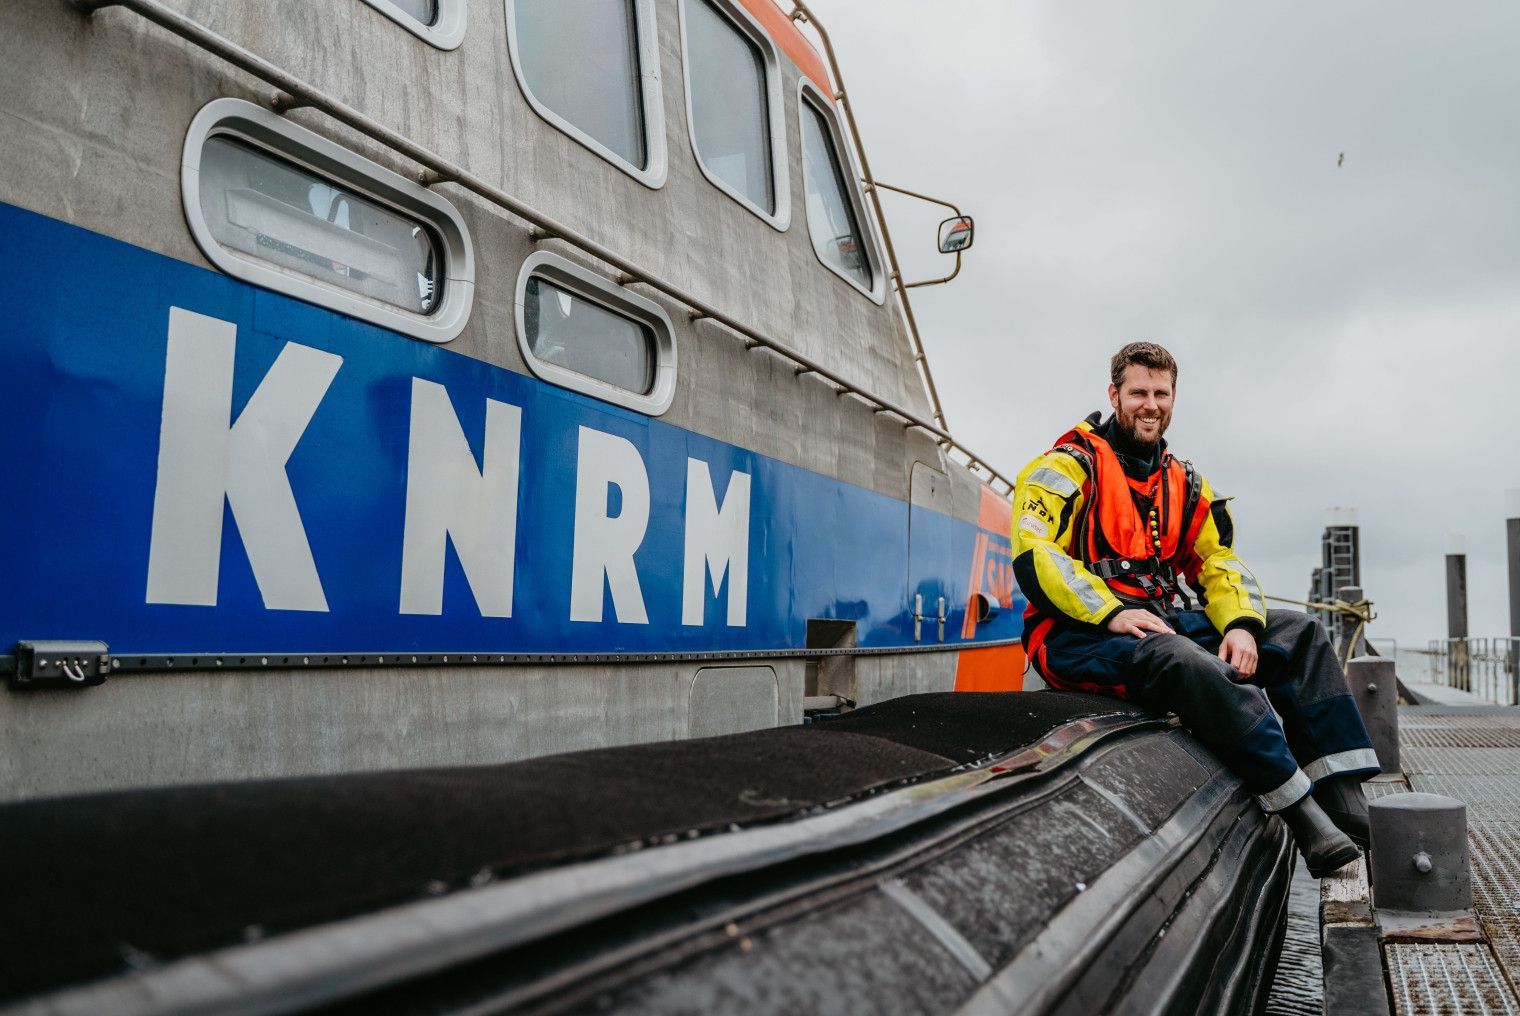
(1355,760)
(1287,795)
(1055,481)
(1090,597)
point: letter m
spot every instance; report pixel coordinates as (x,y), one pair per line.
(717,542)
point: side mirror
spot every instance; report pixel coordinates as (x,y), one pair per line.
(956,234)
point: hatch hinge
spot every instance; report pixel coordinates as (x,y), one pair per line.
(60,664)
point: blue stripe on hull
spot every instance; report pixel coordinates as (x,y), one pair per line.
(84,340)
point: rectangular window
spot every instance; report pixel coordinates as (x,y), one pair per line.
(582,331)
(727,86)
(567,329)
(438,22)
(281,207)
(832,220)
(278,212)
(424,12)
(579,64)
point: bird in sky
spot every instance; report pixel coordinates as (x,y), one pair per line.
(1340,161)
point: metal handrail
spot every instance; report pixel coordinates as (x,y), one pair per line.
(297,93)
(801,12)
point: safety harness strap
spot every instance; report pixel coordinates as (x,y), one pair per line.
(1128,568)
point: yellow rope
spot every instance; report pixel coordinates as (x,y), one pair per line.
(1361,610)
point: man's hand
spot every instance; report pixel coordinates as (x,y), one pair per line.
(1136,622)
(1239,651)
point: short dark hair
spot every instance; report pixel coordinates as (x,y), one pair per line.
(1145,354)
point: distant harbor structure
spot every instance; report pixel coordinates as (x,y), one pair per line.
(1485,666)
(1340,566)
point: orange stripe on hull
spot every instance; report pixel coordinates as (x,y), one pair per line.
(1000,668)
(996,513)
(978,572)
(785,33)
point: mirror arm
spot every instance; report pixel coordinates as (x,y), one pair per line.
(933,201)
(921,197)
(937,282)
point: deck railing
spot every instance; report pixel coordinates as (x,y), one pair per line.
(1486,667)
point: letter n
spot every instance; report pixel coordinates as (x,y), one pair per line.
(449,498)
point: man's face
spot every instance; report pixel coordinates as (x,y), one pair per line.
(1143,403)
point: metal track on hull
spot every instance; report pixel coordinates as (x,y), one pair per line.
(143,663)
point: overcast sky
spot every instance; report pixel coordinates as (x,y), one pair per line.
(1349,335)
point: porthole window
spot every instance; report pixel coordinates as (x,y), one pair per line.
(580,331)
(836,218)
(439,22)
(591,68)
(733,104)
(275,210)
(283,208)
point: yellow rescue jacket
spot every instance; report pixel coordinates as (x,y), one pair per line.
(1089,541)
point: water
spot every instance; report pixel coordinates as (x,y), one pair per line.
(1299,987)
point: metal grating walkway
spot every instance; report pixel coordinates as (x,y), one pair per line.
(1466,761)
(1473,756)
(1495,851)
(1444,736)
(1436,979)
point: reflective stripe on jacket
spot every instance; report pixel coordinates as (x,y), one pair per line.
(1061,532)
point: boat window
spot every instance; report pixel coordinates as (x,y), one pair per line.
(579,330)
(283,208)
(440,22)
(734,103)
(577,333)
(423,11)
(833,219)
(278,212)
(590,68)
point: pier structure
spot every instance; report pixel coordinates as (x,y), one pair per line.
(1445,960)
(1485,666)
(1340,567)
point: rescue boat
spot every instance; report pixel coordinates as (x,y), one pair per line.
(425,412)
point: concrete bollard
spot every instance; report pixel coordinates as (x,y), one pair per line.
(1419,853)
(1375,687)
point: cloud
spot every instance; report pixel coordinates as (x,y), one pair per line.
(1349,335)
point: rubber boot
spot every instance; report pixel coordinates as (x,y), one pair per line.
(1342,799)
(1325,848)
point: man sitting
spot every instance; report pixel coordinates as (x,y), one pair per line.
(1109,533)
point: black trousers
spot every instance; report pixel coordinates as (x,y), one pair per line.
(1294,721)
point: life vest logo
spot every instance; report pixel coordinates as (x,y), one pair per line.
(991,558)
(1036,506)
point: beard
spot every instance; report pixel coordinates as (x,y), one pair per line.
(1129,426)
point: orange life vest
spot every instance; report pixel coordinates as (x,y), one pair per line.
(1136,535)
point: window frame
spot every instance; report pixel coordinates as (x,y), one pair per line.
(267,132)
(446,33)
(588,285)
(651,98)
(775,106)
(807,92)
